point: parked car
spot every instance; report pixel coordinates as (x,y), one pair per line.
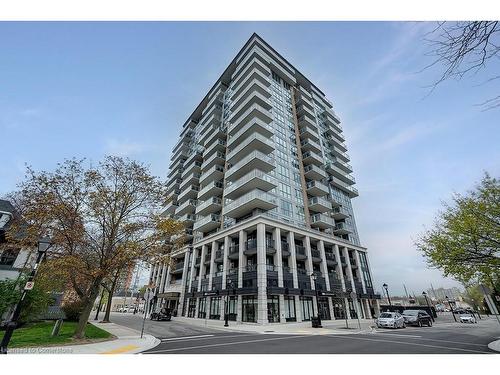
(467,318)
(163,314)
(417,318)
(391,320)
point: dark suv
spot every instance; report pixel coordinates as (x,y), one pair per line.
(417,318)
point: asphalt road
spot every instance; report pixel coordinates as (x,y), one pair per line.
(445,338)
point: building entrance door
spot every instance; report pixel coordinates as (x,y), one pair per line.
(324,309)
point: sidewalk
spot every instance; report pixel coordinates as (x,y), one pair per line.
(126,341)
(329,327)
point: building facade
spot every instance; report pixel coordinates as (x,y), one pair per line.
(261,179)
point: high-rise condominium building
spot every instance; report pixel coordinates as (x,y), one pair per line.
(261,179)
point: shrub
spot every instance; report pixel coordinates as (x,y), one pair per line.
(73,310)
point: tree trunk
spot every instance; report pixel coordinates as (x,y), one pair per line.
(87,309)
(110,298)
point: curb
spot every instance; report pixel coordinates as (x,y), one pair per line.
(494,345)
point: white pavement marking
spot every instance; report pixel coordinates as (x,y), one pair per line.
(209,338)
(185,337)
(414,343)
(395,334)
(224,344)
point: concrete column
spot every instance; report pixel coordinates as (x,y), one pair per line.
(225,261)
(376,307)
(183,284)
(339,267)
(161,287)
(368,312)
(347,309)
(345,252)
(242,257)
(292,259)
(330,307)
(360,271)
(168,278)
(202,265)
(157,276)
(261,275)
(282,308)
(298,308)
(309,264)
(239,309)
(193,268)
(324,267)
(278,257)
(212,264)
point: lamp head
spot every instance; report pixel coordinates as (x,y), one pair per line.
(44,244)
(385,286)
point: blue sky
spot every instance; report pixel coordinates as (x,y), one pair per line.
(90,89)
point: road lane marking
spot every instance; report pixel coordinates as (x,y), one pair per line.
(216,337)
(224,344)
(439,340)
(412,343)
(185,337)
(395,334)
(122,349)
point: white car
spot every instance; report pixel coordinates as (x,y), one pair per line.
(467,318)
(391,320)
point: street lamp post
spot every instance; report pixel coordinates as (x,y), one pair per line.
(226,310)
(451,308)
(43,245)
(314,277)
(429,306)
(386,287)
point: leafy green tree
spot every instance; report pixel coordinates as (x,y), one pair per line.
(465,240)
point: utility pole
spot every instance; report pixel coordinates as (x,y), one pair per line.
(406,292)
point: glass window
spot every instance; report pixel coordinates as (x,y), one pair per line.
(290,309)
(214,308)
(249,309)
(202,306)
(307,308)
(273,309)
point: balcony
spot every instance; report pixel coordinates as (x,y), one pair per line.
(254,75)
(305,110)
(285,249)
(303,100)
(214,173)
(255,160)
(190,192)
(233,251)
(217,145)
(342,228)
(254,126)
(177,268)
(212,189)
(339,213)
(340,174)
(209,206)
(255,111)
(300,252)
(192,168)
(187,219)
(187,207)
(219,256)
(330,259)
(207,223)
(346,167)
(256,179)
(208,120)
(309,132)
(307,119)
(352,191)
(216,158)
(254,142)
(251,247)
(310,145)
(335,151)
(215,130)
(192,179)
(319,204)
(310,157)
(196,155)
(316,188)
(170,208)
(173,185)
(255,199)
(315,256)
(313,172)
(254,98)
(254,87)
(322,221)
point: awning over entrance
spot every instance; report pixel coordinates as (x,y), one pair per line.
(171,295)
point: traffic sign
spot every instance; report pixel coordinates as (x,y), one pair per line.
(29,285)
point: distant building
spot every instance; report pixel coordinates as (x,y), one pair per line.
(440,294)
(12,259)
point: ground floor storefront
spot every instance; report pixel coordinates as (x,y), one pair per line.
(252,308)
